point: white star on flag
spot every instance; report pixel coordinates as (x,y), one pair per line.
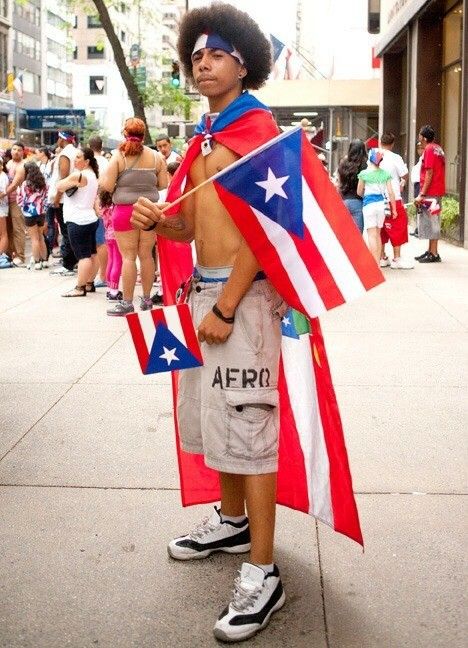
(273,185)
(286,321)
(169,355)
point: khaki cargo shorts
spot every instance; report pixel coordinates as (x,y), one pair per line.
(228,409)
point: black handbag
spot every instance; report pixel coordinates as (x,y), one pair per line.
(73,190)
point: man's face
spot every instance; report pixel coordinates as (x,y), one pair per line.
(216,72)
(17,153)
(164,147)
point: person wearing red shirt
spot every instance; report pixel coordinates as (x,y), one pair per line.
(432,188)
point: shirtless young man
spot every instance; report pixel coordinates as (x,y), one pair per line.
(16,175)
(227,409)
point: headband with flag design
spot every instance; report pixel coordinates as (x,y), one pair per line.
(214,41)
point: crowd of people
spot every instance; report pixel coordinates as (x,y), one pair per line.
(83,199)
(371,183)
(86,196)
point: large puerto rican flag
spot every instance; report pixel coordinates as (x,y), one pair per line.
(303,237)
(297,226)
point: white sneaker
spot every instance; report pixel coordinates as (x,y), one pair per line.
(212,534)
(256,597)
(38,265)
(18,263)
(401,264)
(384,263)
(45,264)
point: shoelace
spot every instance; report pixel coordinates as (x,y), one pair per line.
(244,595)
(203,528)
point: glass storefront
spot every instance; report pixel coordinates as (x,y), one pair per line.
(452,94)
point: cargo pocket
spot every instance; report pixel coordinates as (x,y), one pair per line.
(252,423)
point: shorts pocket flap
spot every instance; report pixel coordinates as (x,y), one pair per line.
(253,397)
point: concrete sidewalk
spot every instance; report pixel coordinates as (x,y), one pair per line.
(89,488)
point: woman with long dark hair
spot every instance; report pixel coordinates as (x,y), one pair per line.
(134,170)
(79,213)
(32,201)
(348,170)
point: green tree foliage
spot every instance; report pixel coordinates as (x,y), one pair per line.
(156,93)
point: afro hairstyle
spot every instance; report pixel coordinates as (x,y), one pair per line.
(234,26)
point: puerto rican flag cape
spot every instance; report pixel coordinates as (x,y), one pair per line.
(313,474)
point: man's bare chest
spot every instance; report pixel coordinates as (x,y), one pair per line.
(206,166)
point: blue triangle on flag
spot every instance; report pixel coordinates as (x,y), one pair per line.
(271,182)
(278,47)
(168,353)
(288,328)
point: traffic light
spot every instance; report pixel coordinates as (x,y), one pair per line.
(175,74)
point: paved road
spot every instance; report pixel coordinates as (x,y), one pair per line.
(89,491)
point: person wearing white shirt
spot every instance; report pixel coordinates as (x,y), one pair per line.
(95,144)
(64,165)
(164,146)
(394,230)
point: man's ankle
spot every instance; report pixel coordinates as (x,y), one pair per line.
(232,518)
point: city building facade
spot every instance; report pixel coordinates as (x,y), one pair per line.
(423,47)
(338,90)
(7,104)
(56,43)
(28,52)
(97,85)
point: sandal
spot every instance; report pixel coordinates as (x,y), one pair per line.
(90,287)
(77,291)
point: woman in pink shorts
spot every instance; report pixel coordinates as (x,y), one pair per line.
(134,170)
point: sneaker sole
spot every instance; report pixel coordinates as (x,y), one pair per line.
(222,636)
(199,555)
(119,314)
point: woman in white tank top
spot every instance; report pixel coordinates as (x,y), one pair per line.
(79,213)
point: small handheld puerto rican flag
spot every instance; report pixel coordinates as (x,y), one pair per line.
(432,205)
(165,339)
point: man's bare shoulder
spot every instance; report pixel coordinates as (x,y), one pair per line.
(205,166)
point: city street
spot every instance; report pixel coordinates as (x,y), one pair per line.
(89,492)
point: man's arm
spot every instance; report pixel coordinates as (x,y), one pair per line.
(18,180)
(148,215)
(63,172)
(424,189)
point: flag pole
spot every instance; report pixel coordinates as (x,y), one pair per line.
(232,166)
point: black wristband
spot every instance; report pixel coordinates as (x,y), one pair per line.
(218,313)
(151,227)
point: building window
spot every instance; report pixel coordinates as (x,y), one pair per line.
(452,73)
(373,17)
(4,8)
(75,52)
(31,82)
(97,85)
(56,21)
(123,36)
(28,10)
(75,22)
(95,52)
(57,48)
(56,75)
(94,22)
(26,45)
